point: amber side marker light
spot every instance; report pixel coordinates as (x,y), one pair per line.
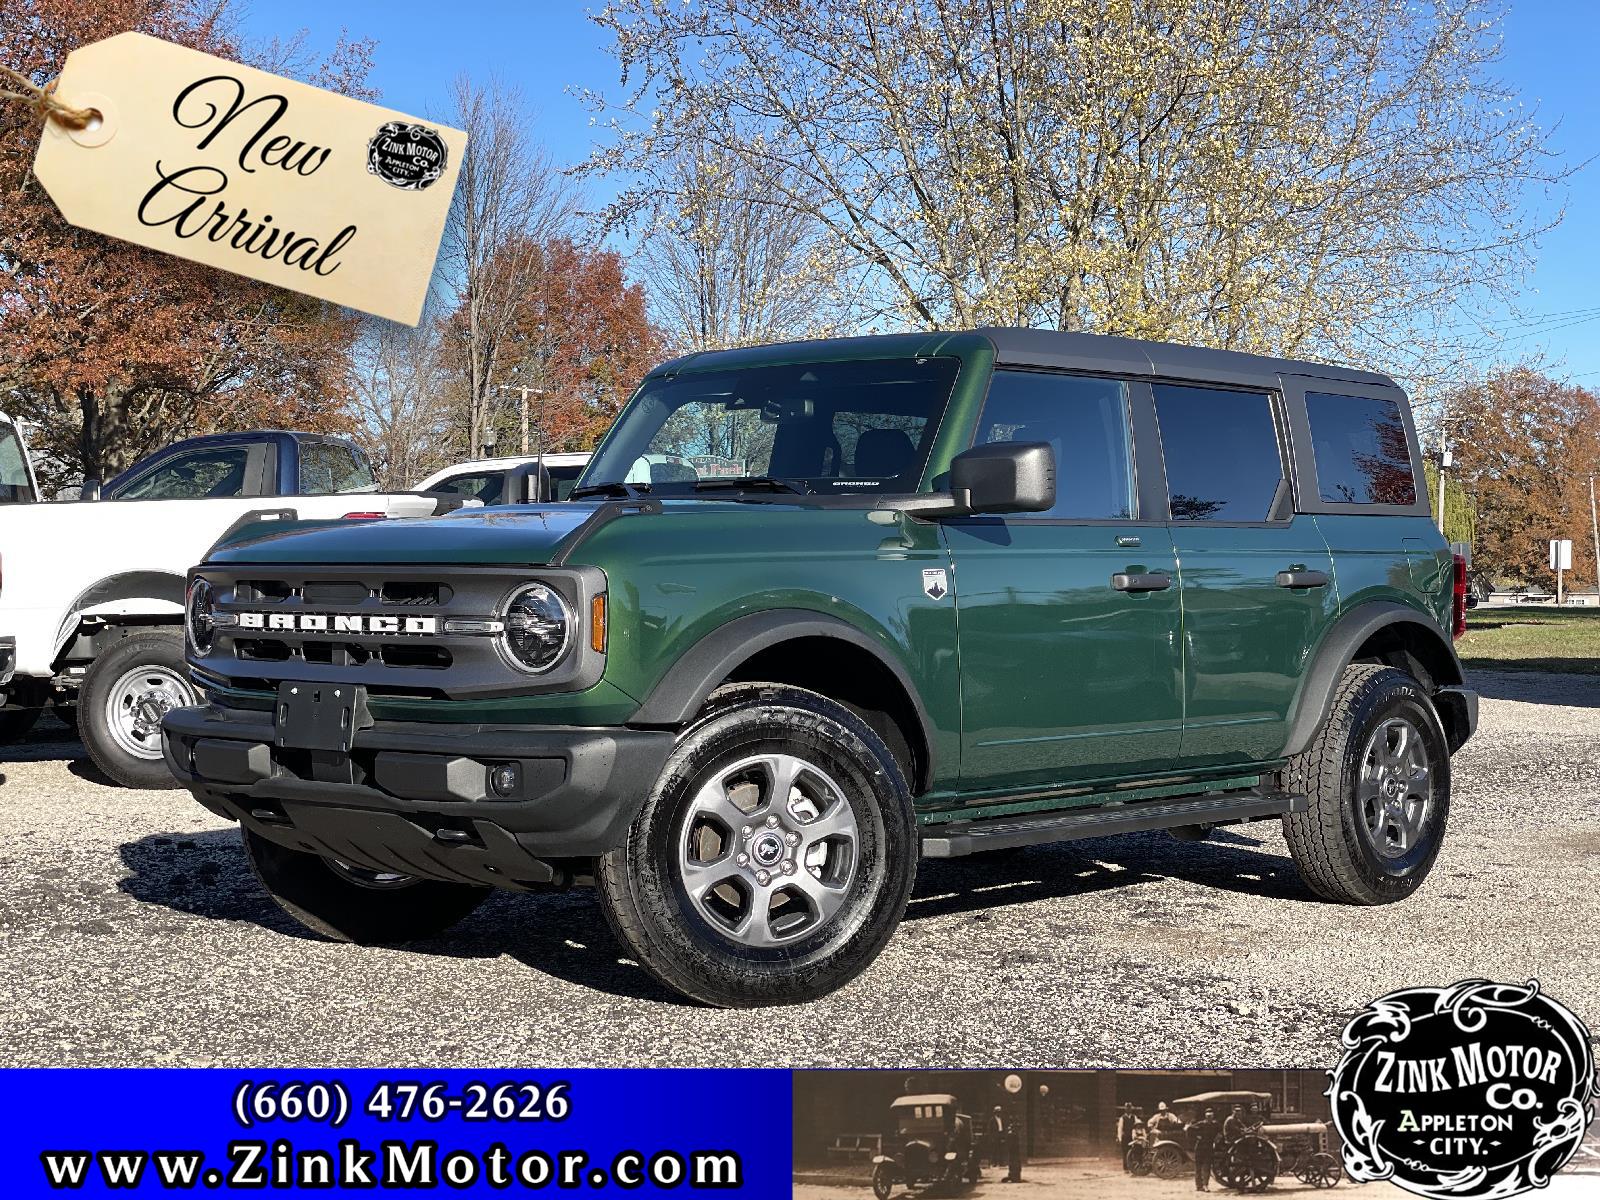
(597,624)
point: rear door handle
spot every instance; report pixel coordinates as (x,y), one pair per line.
(1301,579)
(1146,581)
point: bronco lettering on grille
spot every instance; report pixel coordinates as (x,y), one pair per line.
(337,623)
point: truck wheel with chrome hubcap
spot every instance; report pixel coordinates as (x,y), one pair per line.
(1377,778)
(774,857)
(127,691)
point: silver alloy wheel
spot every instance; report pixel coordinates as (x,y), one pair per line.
(368,878)
(137,702)
(768,850)
(1395,789)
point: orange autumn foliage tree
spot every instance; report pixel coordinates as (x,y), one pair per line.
(112,350)
(1524,446)
(581,337)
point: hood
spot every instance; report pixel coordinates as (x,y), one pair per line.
(486,536)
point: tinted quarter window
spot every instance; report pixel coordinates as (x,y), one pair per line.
(1086,423)
(1221,451)
(1361,450)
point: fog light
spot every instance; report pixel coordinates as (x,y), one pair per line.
(505,779)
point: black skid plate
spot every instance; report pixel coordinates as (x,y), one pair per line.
(319,716)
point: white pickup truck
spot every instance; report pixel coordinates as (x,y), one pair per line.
(92,591)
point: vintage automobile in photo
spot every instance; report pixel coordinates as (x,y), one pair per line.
(1276,1144)
(931,1144)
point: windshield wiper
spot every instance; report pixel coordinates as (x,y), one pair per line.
(753,482)
(629,491)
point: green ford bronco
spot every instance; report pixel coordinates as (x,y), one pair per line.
(818,610)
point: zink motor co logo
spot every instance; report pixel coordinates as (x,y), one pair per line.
(1476,1090)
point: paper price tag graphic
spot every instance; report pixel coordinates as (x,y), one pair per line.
(252,173)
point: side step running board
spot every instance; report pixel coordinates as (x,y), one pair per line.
(1004,833)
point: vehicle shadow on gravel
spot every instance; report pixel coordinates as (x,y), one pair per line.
(564,935)
(1225,860)
(1568,688)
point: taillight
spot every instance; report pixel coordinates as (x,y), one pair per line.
(363,516)
(1458,603)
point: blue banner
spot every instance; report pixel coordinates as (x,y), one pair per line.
(597,1132)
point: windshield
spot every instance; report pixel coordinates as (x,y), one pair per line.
(821,427)
(15,486)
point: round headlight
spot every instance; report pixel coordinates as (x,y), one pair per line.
(201,618)
(538,627)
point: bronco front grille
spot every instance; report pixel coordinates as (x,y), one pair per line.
(385,628)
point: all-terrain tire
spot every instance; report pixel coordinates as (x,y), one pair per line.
(1331,842)
(641,884)
(332,901)
(149,663)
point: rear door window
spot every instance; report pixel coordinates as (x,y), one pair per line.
(1222,454)
(1361,450)
(328,467)
(1085,422)
(481,485)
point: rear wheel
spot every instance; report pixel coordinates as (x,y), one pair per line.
(1377,778)
(351,903)
(124,696)
(773,859)
(1136,1159)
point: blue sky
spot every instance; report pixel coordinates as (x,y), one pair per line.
(546,47)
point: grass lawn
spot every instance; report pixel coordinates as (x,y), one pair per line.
(1529,638)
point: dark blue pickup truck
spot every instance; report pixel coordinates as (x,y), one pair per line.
(260,462)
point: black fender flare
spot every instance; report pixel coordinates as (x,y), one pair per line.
(682,691)
(1337,650)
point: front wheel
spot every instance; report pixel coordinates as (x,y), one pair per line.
(351,903)
(124,696)
(774,857)
(883,1181)
(1377,778)
(1136,1159)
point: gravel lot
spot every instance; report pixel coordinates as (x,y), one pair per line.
(132,933)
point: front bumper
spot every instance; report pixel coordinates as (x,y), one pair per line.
(417,798)
(8,660)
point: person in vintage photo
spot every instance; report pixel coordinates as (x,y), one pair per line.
(1203,1137)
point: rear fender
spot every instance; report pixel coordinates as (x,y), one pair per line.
(1338,649)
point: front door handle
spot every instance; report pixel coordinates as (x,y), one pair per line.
(1301,579)
(1141,581)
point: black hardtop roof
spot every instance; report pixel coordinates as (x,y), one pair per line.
(1045,348)
(1092,351)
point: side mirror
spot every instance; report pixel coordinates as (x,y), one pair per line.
(1004,477)
(90,490)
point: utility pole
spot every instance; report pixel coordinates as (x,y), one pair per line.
(524,392)
(1444,457)
(1594,530)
